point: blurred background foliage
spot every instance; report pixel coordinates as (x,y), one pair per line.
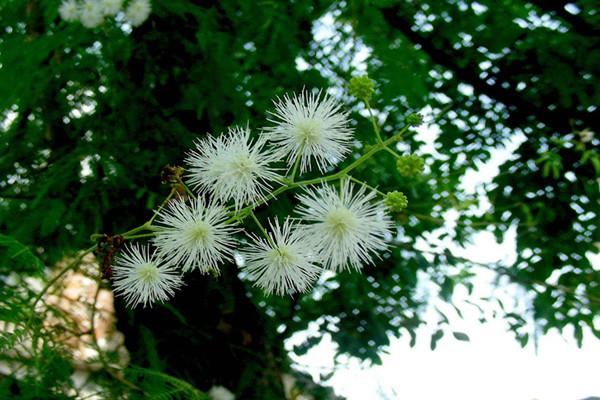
(91,116)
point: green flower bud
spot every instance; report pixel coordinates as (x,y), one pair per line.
(410,165)
(414,119)
(396,201)
(361,87)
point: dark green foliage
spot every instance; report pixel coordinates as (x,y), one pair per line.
(88,119)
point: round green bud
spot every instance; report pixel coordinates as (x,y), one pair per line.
(414,119)
(361,87)
(410,165)
(396,201)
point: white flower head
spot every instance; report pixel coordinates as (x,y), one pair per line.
(586,135)
(91,14)
(142,277)
(284,264)
(220,393)
(346,226)
(111,7)
(194,235)
(138,11)
(232,167)
(69,10)
(312,127)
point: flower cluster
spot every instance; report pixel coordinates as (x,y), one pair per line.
(92,13)
(335,226)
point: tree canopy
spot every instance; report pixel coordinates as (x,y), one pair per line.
(90,117)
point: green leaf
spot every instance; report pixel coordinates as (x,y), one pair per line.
(463,337)
(20,257)
(523,339)
(435,338)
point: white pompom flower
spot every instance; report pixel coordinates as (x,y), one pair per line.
(220,393)
(195,235)
(111,7)
(138,11)
(347,225)
(69,10)
(142,277)
(586,135)
(91,14)
(286,264)
(312,127)
(232,167)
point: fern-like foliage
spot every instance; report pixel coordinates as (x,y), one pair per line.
(37,357)
(160,386)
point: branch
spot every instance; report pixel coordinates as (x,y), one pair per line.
(9,196)
(507,272)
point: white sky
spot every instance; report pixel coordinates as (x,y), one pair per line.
(491,366)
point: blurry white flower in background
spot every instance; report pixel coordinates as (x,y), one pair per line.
(69,10)
(138,11)
(586,135)
(220,393)
(91,14)
(111,7)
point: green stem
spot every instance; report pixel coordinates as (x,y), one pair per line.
(392,152)
(296,164)
(141,235)
(187,189)
(135,230)
(353,179)
(146,226)
(74,264)
(374,122)
(95,236)
(101,356)
(165,201)
(244,212)
(378,147)
(262,229)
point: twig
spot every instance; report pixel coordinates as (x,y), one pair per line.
(101,357)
